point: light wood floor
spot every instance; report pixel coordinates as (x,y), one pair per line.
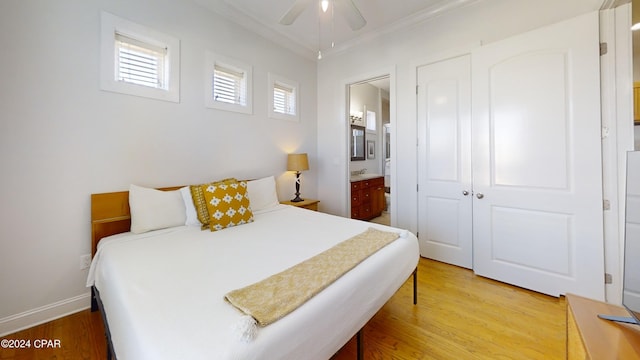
(458,316)
(384,219)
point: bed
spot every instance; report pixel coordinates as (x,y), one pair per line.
(162,291)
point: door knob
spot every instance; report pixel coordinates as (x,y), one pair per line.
(479,195)
(465,192)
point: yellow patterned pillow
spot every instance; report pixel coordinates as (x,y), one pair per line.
(228,205)
(197,194)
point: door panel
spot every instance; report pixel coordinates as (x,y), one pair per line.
(443,161)
(538,121)
(518,233)
(444,155)
(537,160)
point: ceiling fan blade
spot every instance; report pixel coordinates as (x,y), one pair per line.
(351,13)
(296,9)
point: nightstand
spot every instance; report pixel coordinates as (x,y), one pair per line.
(310,204)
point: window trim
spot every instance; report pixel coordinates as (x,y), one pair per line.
(213,60)
(112,25)
(277,80)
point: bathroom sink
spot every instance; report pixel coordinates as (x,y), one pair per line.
(360,177)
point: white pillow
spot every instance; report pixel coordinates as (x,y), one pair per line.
(262,193)
(153,209)
(191,214)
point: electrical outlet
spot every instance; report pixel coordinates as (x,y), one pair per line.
(85,261)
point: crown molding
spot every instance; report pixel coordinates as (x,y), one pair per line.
(404,23)
(611,4)
(256,26)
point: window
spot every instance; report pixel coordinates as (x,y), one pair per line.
(371,121)
(228,84)
(283,96)
(139,61)
(284,99)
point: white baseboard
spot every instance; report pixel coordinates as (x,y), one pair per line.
(43,314)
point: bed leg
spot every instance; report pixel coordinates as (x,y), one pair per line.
(360,346)
(94,302)
(415,286)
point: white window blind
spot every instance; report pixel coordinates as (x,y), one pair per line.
(140,63)
(229,86)
(284,99)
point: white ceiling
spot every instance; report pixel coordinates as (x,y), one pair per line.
(313,29)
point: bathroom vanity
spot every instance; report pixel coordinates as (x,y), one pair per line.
(367,196)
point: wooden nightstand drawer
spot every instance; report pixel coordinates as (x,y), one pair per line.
(309,204)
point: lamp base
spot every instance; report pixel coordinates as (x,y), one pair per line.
(297,198)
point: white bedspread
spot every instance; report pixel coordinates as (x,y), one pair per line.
(163,291)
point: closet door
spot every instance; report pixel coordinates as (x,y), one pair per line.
(537,211)
(444,156)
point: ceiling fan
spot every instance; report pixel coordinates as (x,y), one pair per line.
(347,8)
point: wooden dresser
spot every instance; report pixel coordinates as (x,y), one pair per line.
(367,198)
(589,337)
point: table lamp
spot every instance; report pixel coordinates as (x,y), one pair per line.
(297,163)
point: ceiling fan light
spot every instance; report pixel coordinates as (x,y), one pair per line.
(324,4)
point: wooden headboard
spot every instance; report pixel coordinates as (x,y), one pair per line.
(110,215)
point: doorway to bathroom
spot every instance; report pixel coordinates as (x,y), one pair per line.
(370,150)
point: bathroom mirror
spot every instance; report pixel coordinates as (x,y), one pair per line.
(357,142)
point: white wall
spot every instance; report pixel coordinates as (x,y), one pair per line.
(61,138)
(402,52)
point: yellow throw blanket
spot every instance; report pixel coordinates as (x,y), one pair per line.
(278,295)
